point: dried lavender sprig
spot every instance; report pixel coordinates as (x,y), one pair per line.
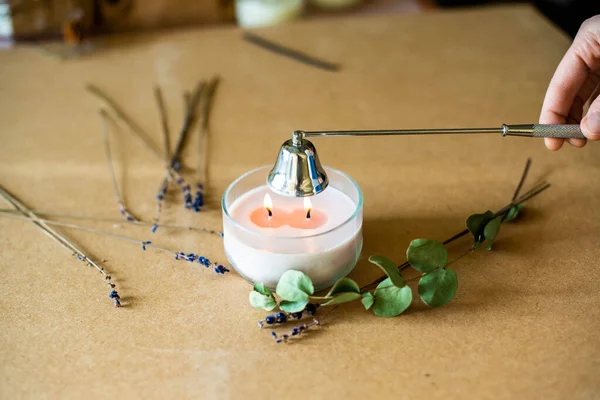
(105,135)
(114,220)
(27,213)
(201,171)
(162,112)
(191,102)
(135,129)
(282,317)
(191,257)
(295,331)
(160,197)
(162,191)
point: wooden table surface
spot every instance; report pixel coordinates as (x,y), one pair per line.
(525,322)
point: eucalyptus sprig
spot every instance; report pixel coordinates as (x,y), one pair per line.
(391,294)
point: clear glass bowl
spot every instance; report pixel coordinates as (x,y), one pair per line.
(325,255)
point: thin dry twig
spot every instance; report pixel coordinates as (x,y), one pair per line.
(105,135)
(60,239)
(164,123)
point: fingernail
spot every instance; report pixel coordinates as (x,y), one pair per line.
(592,124)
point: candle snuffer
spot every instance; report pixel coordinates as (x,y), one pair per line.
(298,172)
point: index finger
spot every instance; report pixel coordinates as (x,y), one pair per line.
(568,79)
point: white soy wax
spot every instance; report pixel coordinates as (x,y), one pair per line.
(325,247)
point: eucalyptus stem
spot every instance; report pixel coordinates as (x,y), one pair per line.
(528,195)
(463,255)
(105,136)
(522,180)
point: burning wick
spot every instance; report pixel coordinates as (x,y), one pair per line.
(268,204)
(307,207)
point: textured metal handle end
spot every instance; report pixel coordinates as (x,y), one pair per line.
(558,131)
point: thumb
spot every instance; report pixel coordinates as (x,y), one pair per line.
(590,124)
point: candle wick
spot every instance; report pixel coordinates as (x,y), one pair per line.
(270,212)
(308,214)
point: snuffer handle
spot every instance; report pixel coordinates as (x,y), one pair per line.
(529,130)
(539,130)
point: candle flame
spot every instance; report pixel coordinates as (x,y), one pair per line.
(268,203)
(307,206)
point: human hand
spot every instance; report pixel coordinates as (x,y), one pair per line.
(575,83)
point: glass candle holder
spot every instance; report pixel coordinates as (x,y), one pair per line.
(266,234)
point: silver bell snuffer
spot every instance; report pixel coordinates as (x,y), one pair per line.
(299,173)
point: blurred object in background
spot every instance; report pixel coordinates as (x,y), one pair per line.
(259,13)
(335,4)
(566,14)
(74,22)
(37,20)
(32,20)
(130,15)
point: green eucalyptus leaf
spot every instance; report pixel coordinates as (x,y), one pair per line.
(390,269)
(258,300)
(367,300)
(425,255)
(513,212)
(391,300)
(293,306)
(491,231)
(343,285)
(294,286)
(438,287)
(262,289)
(476,224)
(343,298)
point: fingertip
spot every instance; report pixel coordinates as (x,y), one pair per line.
(590,125)
(577,142)
(553,143)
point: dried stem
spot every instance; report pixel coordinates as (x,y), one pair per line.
(201,172)
(188,120)
(135,128)
(173,165)
(105,135)
(288,52)
(114,220)
(145,244)
(58,238)
(162,112)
